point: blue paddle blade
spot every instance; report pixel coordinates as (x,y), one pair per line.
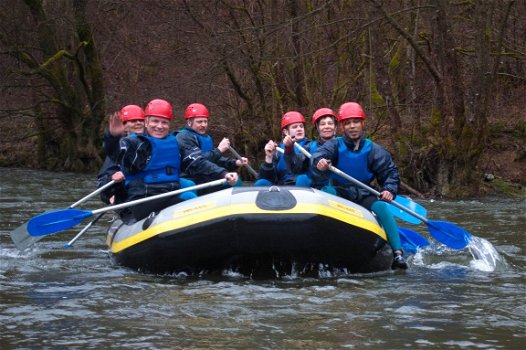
(409,204)
(449,234)
(55,221)
(411,240)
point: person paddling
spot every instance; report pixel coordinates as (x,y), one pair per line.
(202,161)
(364,160)
(324,120)
(283,169)
(151,162)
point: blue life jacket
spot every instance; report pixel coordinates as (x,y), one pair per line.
(313,146)
(281,166)
(164,164)
(205,141)
(353,163)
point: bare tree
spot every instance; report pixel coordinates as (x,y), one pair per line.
(458,129)
(426,72)
(58,54)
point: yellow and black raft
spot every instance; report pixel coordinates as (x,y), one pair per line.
(256,231)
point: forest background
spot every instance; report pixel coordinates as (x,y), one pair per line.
(443,82)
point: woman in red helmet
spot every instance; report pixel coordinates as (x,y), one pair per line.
(283,169)
(202,162)
(324,120)
(129,120)
(365,161)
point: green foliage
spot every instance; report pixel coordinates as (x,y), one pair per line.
(376,97)
(309,6)
(502,187)
(436,117)
(394,63)
(520,130)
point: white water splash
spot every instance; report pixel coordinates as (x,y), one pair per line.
(485,256)
(15,253)
(479,255)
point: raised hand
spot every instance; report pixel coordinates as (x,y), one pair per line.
(115,125)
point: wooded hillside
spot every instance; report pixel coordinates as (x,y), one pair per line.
(443,82)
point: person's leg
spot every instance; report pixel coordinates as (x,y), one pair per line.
(381,209)
(329,189)
(303,181)
(143,210)
(262,182)
(185,183)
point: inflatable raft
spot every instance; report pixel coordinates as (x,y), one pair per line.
(256,231)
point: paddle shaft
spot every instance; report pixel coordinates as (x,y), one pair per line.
(375,192)
(86,228)
(94,193)
(162,195)
(249,168)
(362,185)
(445,232)
(60,220)
(124,205)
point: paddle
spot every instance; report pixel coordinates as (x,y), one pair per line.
(445,232)
(94,193)
(411,240)
(404,201)
(60,220)
(24,240)
(249,168)
(86,228)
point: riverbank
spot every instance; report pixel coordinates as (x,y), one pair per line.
(502,167)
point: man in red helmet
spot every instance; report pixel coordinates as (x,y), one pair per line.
(152,162)
(283,169)
(365,161)
(202,161)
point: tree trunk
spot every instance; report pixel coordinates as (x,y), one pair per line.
(383,81)
(78,100)
(449,98)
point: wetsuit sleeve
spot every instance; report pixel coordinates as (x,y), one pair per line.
(384,169)
(194,164)
(297,163)
(268,171)
(215,156)
(134,154)
(110,145)
(329,151)
(104,176)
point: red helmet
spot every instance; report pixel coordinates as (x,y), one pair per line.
(291,117)
(196,110)
(159,108)
(323,112)
(131,112)
(350,110)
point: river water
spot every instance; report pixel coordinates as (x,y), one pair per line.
(53,297)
